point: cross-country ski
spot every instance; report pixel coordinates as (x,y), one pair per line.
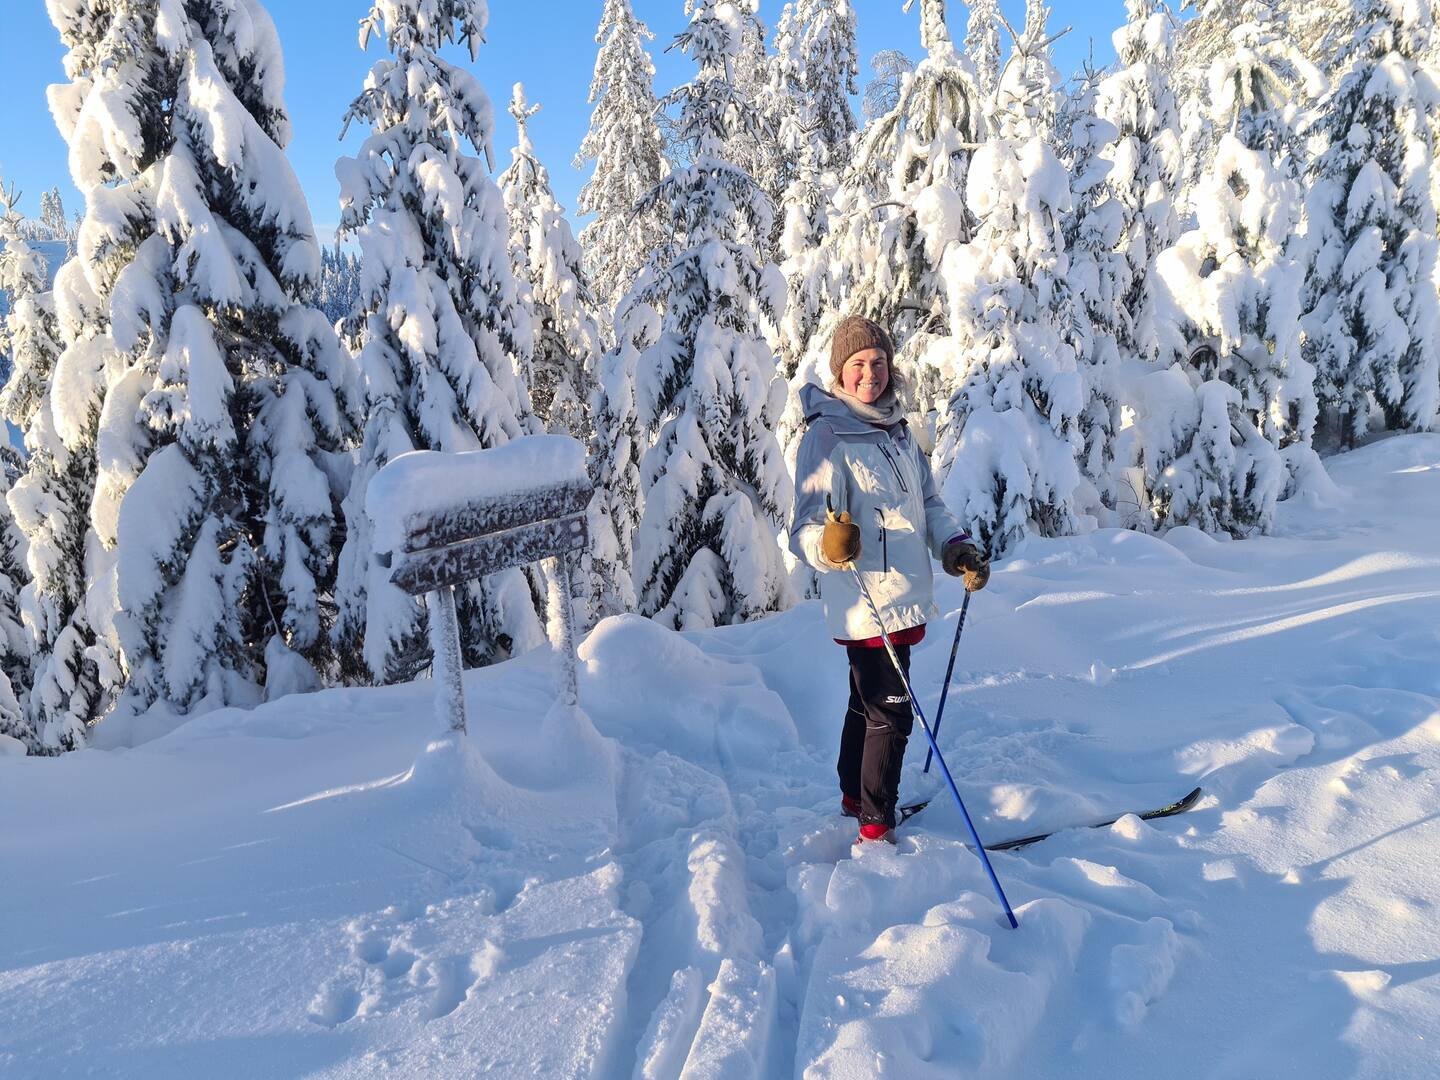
(910,810)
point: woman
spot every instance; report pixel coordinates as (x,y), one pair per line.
(864,496)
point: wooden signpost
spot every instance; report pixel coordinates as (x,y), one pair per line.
(460,539)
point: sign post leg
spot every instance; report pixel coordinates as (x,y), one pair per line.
(447,665)
(560,576)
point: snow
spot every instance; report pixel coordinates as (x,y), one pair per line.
(659,883)
(431,482)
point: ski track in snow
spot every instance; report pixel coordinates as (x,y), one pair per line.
(663,886)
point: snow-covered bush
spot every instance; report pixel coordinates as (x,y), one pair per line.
(1204,463)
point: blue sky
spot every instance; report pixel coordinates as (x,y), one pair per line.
(546,44)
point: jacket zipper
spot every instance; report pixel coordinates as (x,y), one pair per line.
(884,541)
(896,466)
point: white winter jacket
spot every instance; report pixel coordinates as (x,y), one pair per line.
(883,479)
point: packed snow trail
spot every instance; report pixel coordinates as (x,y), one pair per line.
(662,886)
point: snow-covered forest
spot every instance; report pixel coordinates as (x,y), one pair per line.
(1146,296)
(1166,331)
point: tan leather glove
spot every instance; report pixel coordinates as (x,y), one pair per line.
(963,557)
(840,543)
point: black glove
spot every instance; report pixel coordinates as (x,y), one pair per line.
(963,557)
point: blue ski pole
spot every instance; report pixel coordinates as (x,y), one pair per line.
(949,670)
(919,715)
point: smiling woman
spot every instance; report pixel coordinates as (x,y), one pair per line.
(865,501)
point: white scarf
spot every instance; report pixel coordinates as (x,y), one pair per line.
(885,410)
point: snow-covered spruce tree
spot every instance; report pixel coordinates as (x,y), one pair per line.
(1229,32)
(440,319)
(1318,30)
(545,256)
(1091,232)
(1138,99)
(715,485)
(806,225)
(614,464)
(814,69)
(112,115)
(27,341)
(1370,245)
(29,334)
(52,219)
(564,379)
(1197,42)
(1263,87)
(628,150)
(752,146)
(802,350)
(54,396)
(826,46)
(1009,434)
(1229,315)
(782,108)
(1045,98)
(339,283)
(229,406)
(982,44)
(16,644)
(1230,388)
(903,203)
(812,75)
(1233,282)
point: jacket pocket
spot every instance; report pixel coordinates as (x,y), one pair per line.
(884,541)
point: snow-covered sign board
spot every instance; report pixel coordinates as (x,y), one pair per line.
(441,519)
(490,534)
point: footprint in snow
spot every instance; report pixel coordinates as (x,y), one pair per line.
(333,1004)
(455,978)
(381,952)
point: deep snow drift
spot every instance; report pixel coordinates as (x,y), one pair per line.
(661,885)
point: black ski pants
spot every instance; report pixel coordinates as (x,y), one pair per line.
(877,727)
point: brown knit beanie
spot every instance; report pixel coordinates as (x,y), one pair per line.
(856,334)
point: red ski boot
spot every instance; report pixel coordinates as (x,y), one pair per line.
(876,831)
(849,807)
